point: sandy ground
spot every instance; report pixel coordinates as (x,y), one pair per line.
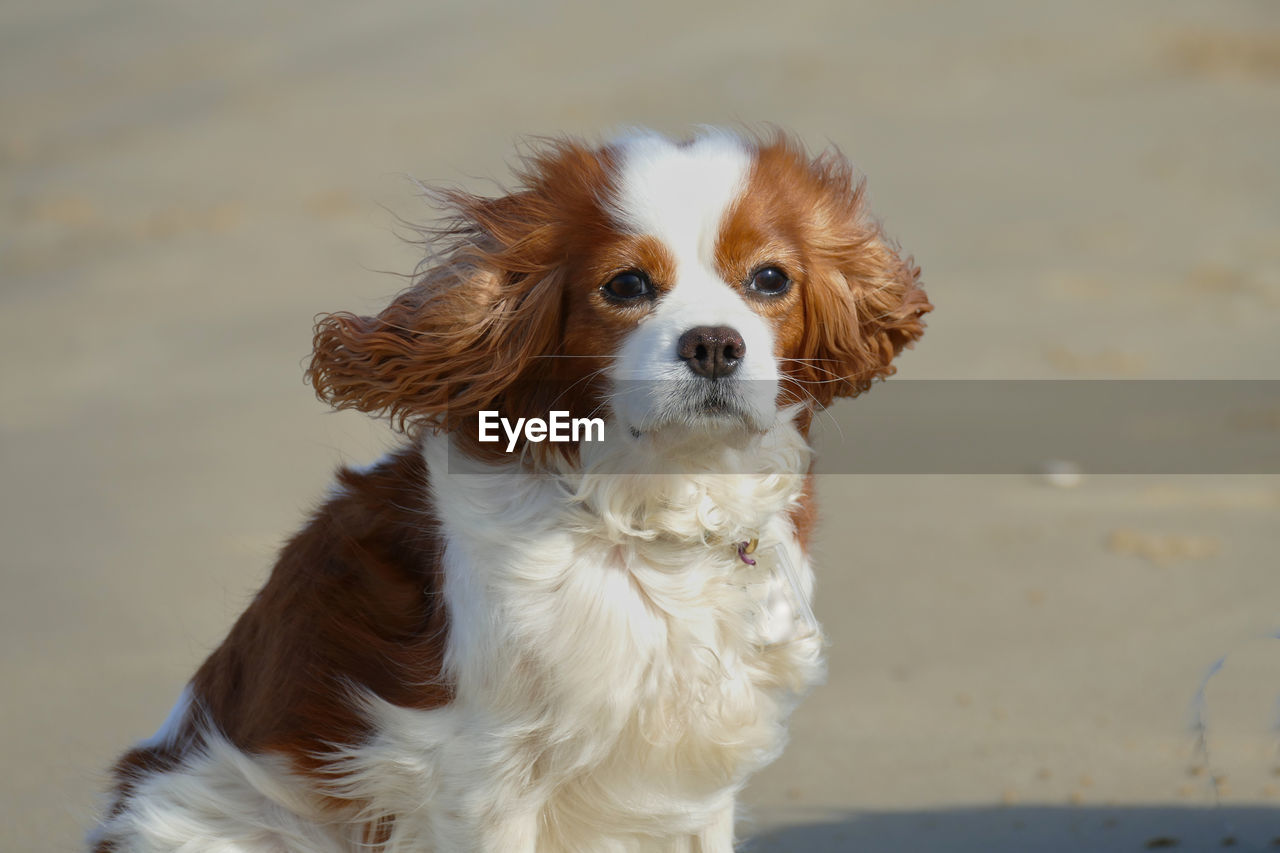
(1093,191)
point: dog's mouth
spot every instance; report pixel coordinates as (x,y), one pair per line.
(702,406)
(717,401)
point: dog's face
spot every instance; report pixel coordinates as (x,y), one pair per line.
(673,286)
(702,349)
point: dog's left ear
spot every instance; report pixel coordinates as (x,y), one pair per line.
(471,327)
(864,304)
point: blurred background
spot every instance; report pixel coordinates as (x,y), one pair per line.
(1092,189)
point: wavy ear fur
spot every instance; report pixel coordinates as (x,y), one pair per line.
(867,304)
(455,341)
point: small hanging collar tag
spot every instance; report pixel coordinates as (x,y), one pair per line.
(746,549)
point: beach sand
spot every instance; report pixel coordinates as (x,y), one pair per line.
(1091,188)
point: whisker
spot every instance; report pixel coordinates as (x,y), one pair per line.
(588,377)
(838,376)
(816,407)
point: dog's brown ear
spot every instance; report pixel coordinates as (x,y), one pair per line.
(451,344)
(865,304)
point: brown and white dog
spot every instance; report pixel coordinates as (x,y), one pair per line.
(581,646)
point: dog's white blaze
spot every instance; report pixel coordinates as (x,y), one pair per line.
(681,196)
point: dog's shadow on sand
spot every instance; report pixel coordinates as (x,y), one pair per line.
(1031,829)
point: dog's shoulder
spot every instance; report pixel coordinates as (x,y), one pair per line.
(354,601)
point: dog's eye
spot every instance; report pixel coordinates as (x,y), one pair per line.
(769,281)
(632,284)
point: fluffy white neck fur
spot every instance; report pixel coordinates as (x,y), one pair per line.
(681,490)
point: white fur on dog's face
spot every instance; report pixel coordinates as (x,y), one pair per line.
(680,195)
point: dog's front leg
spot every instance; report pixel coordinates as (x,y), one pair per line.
(718,836)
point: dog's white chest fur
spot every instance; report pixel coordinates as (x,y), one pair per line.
(618,671)
(613,681)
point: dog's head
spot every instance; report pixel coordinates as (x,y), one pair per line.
(706,285)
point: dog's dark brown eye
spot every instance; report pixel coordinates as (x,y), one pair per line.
(632,284)
(769,281)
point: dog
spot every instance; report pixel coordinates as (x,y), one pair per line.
(533,644)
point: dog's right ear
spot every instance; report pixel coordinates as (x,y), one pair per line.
(451,344)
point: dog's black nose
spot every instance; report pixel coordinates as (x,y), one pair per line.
(712,351)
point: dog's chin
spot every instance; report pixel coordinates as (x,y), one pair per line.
(695,416)
(708,425)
